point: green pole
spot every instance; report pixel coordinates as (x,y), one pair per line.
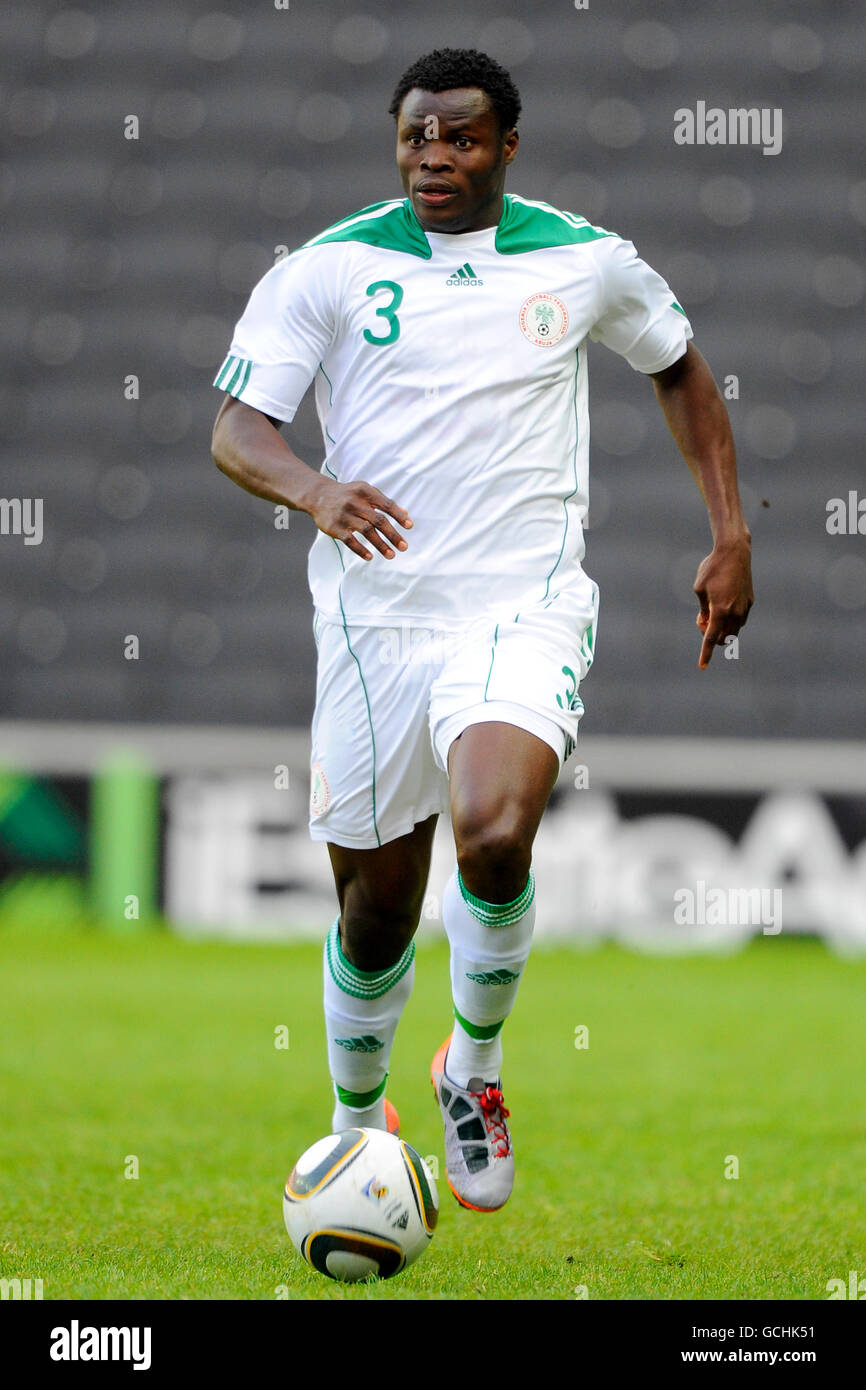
(124,833)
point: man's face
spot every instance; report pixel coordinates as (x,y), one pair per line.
(452,158)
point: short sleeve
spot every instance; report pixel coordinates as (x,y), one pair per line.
(283,334)
(638,315)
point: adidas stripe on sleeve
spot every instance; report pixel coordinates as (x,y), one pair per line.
(283,334)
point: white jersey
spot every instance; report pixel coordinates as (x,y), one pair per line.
(450,372)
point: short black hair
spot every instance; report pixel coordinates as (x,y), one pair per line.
(446,68)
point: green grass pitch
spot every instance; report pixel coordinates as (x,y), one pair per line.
(164,1049)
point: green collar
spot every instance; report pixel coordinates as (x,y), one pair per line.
(523,226)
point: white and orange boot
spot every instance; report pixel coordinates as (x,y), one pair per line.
(479,1158)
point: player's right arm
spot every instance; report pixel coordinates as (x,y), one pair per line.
(292,320)
(249,449)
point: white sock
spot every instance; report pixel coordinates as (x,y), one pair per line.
(490,945)
(362,1010)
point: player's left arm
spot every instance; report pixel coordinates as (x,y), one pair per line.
(698,421)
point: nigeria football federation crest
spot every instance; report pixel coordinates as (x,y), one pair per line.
(320,792)
(543,319)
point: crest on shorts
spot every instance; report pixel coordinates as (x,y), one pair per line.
(543,319)
(320,792)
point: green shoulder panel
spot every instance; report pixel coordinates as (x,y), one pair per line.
(532,226)
(391,225)
(525,225)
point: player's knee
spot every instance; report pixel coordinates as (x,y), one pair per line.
(494,855)
(373,937)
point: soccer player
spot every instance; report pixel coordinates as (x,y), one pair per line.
(446,336)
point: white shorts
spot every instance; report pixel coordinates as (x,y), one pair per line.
(391,700)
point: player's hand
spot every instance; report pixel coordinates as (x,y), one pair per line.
(341,509)
(724,589)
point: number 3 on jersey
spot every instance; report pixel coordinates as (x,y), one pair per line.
(386,311)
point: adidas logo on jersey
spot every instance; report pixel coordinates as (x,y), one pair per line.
(464,276)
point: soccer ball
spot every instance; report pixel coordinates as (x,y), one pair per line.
(360,1203)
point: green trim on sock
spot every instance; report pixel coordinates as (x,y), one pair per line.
(480,1032)
(363,984)
(360,1100)
(498,914)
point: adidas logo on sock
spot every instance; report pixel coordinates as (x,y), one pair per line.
(465,275)
(368,1043)
(493,977)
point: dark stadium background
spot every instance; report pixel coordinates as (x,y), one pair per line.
(257,128)
(156,159)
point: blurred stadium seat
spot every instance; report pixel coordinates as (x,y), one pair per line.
(256,129)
